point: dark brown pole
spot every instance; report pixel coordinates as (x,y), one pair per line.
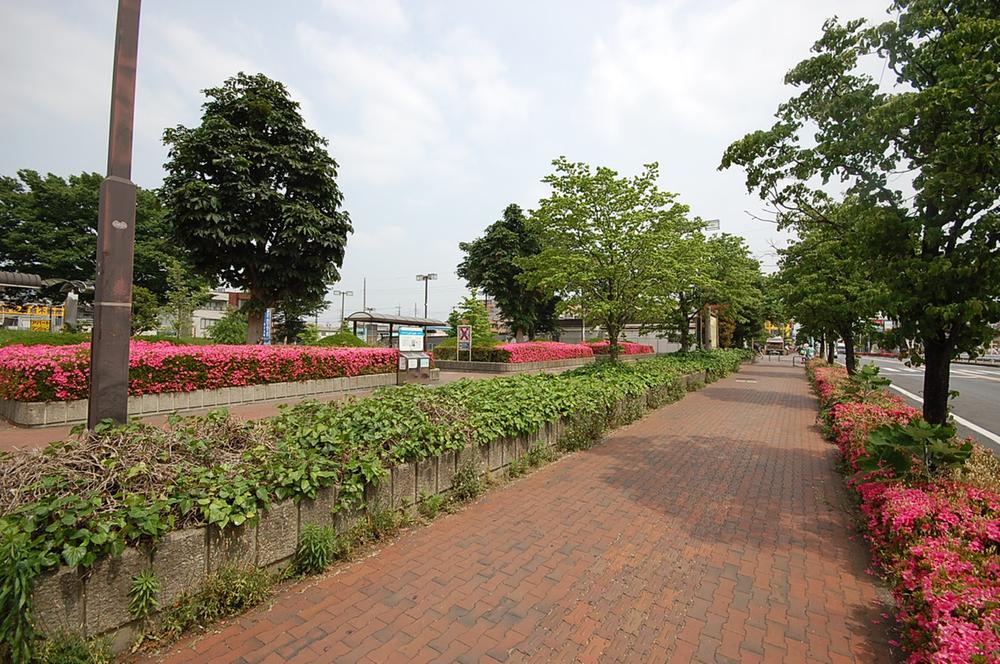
(116,236)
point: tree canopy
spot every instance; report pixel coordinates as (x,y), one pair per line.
(471,311)
(922,156)
(610,245)
(490,264)
(252,193)
(48,227)
(825,283)
(717,270)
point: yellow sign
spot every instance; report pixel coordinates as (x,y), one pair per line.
(39,326)
(39,310)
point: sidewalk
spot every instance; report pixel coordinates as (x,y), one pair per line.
(15,437)
(713,530)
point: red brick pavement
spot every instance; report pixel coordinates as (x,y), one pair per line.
(713,530)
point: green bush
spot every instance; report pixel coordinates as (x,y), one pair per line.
(343,338)
(446,351)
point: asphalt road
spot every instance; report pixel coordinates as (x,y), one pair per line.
(978,402)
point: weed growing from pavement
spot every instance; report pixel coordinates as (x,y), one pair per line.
(431,504)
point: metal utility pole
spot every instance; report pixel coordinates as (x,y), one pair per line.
(426,278)
(116,236)
(364,294)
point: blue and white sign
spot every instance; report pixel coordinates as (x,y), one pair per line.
(411,339)
(266,337)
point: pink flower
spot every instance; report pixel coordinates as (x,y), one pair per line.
(62,373)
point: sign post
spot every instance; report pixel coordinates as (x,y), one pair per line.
(465,339)
(266,337)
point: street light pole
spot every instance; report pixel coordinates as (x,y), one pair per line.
(108,396)
(343,295)
(426,278)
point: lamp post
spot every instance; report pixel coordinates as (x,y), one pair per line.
(426,278)
(343,294)
(108,396)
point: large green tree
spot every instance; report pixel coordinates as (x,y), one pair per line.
(717,270)
(48,226)
(252,193)
(611,245)
(490,264)
(826,284)
(921,151)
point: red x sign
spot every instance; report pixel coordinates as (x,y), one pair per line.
(464,332)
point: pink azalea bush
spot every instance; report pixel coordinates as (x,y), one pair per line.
(543,351)
(61,373)
(938,542)
(625,348)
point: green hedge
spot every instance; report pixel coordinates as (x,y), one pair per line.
(479,354)
(28,338)
(82,500)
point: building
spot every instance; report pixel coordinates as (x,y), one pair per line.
(207,315)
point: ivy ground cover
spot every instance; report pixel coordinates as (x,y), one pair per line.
(935,535)
(62,373)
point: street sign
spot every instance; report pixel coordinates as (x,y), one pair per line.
(465,337)
(266,337)
(411,339)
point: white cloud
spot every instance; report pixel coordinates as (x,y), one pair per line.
(414,113)
(52,67)
(385,15)
(699,63)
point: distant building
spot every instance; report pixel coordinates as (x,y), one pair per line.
(203,318)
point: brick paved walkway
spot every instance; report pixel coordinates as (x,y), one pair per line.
(713,530)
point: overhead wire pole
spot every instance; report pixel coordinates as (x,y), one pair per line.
(116,236)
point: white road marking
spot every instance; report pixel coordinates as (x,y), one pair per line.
(964,422)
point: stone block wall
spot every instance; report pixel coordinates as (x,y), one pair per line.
(49,413)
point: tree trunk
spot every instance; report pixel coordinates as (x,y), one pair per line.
(831,348)
(937,368)
(613,333)
(850,359)
(822,345)
(255,327)
(686,335)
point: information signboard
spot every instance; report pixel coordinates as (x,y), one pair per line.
(266,337)
(411,338)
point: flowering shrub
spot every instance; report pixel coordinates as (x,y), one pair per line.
(624,347)
(851,422)
(543,351)
(937,541)
(62,373)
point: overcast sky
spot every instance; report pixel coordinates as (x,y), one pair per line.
(439,113)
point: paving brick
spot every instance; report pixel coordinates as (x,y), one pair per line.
(701,532)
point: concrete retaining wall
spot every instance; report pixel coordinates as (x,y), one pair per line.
(95,602)
(48,413)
